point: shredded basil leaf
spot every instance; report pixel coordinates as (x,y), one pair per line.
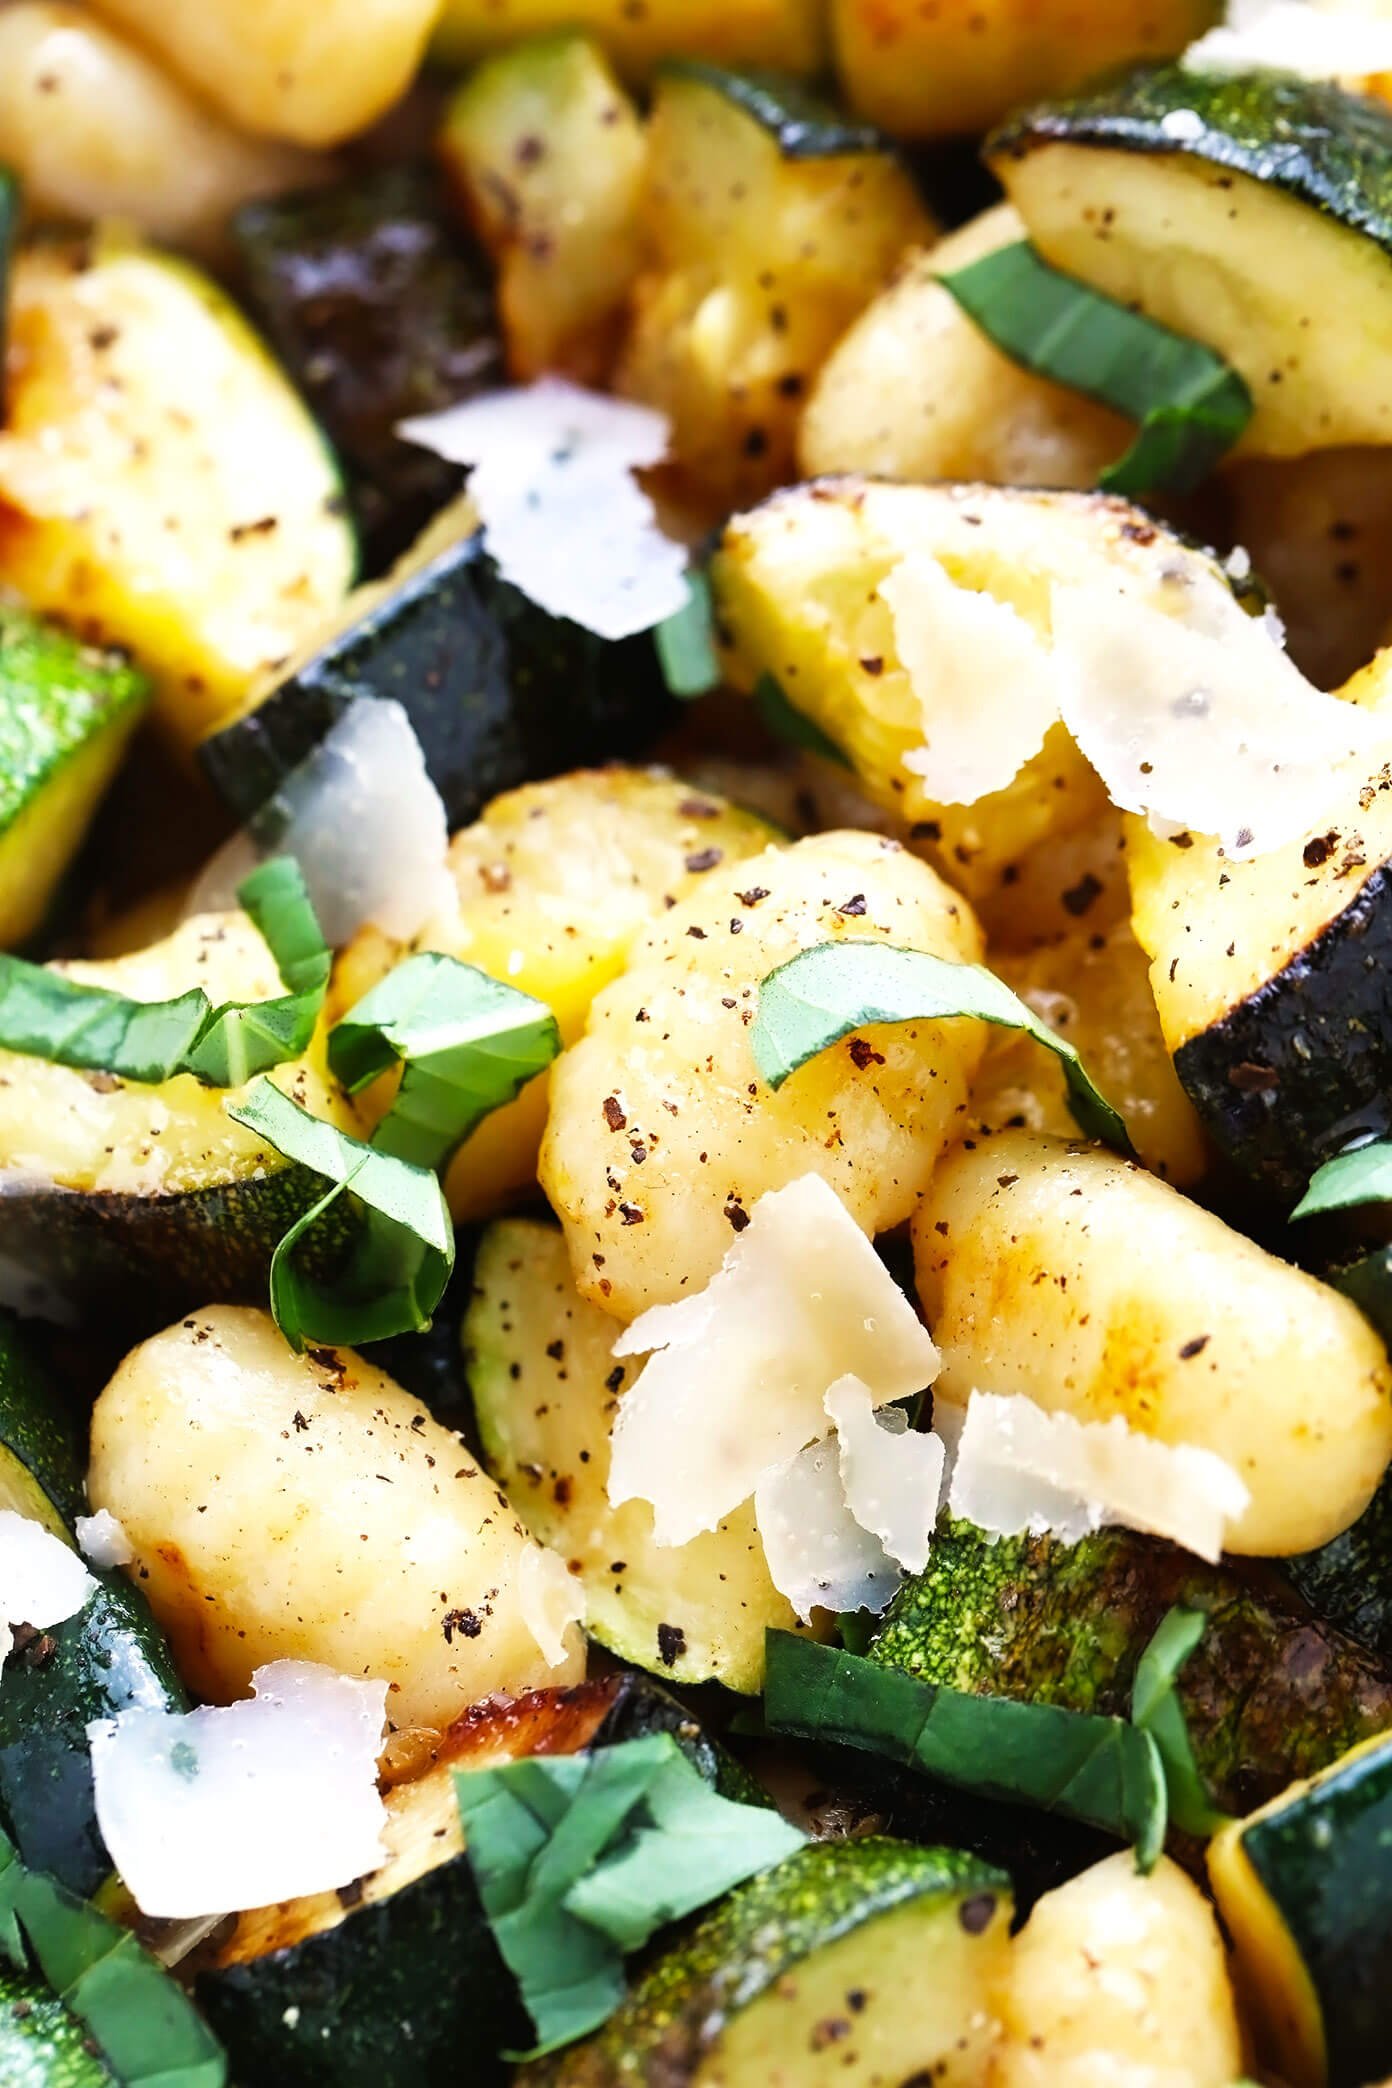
(1191,405)
(395,1240)
(581,1858)
(685,643)
(45,1015)
(788,723)
(148,2031)
(1102,1771)
(468,1044)
(1361,1176)
(1156,1709)
(826,993)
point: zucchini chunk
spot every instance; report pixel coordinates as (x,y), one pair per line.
(247,1479)
(131,1197)
(297,1991)
(859,1962)
(67,712)
(1347,1580)
(951,71)
(787,34)
(915,391)
(42,2043)
(546,1388)
(379,307)
(555,884)
(1094,989)
(1270,976)
(40,1458)
(1252,212)
(547,154)
(161,486)
(1304,1889)
(770,223)
(1268,1693)
(1072,1276)
(497,691)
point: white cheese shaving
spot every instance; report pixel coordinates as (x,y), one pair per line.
(987,687)
(819,1556)
(740,1382)
(563,517)
(363,820)
(103,1541)
(550,1600)
(223,1808)
(1334,41)
(891,1476)
(42,1579)
(1020,1468)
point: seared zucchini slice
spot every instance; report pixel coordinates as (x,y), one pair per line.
(497,690)
(1305,1890)
(42,2043)
(1271,978)
(788,34)
(856,1962)
(770,222)
(546,1389)
(380,307)
(161,486)
(392,1980)
(1269,1693)
(143,1198)
(932,72)
(1251,211)
(547,153)
(67,712)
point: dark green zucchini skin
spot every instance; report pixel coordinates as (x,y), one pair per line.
(1323,1859)
(111,1657)
(380,307)
(801,124)
(36,1425)
(1269,1694)
(1291,1075)
(42,2043)
(499,693)
(1349,1581)
(1308,138)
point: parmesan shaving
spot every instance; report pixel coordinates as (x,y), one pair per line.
(819,1556)
(739,1383)
(1019,1468)
(891,1476)
(223,1808)
(550,1599)
(564,519)
(987,686)
(1332,41)
(364,822)
(103,1541)
(42,1579)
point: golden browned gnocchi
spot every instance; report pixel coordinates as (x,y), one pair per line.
(1067,1274)
(661,1135)
(305,1507)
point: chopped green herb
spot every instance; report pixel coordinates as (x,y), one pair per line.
(1359,1177)
(1191,405)
(148,2031)
(396,1244)
(581,1858)
(826,993)
(686,643)
(45,1015)
(788,723)
(467,1042)
(1156,1709)
(1102,1771)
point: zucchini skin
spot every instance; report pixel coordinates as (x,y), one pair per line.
(1348,1581)
(379,308)
(802,125)
(110,1657)
(42,2043)
(1294,1072)
(36,1430)
(1268,1695)
(1308,138)
(499,693)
